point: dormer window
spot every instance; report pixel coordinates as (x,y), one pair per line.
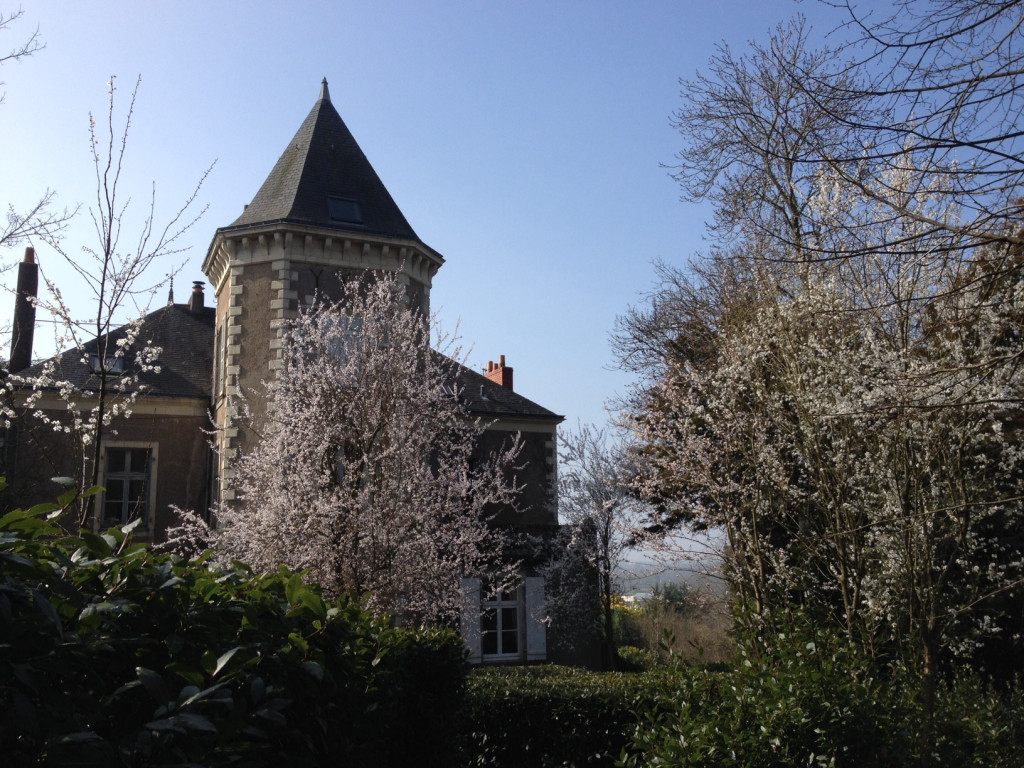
(113,365)
(344,209)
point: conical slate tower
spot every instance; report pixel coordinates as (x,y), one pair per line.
(322,215)
(323,179)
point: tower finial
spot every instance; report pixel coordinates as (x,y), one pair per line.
(170,293)
(325,95)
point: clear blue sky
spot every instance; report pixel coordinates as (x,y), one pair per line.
(522,140)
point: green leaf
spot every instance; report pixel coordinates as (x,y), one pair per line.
(315,603)
(98,545)
(46,608)
(294,589)
(195,722)
(16,559)
(272,715)
(224,659)
(82,737)
(154,684)
(173,581)
(10,517)
(186,672)
(314,670)
(209,661)
(125,688)
(166,724)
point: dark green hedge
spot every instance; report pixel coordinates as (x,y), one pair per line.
(111,655)
(554,716)
(808,699)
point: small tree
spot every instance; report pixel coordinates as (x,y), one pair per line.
(595,502)
(365,471)
(117,279)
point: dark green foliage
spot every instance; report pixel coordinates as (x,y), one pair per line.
(798,702)
(420,685)
(806,698)
(111,655)
(554,716)
(633,659)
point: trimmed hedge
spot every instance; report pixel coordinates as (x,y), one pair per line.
(111,655)
(554,716)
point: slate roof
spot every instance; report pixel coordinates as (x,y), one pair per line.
(186,362)
(487,399)
(323,159)
(186,367)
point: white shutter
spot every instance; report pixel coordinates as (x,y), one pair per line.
(470,624)
(536,630)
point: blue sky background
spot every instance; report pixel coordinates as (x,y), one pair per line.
(522,140)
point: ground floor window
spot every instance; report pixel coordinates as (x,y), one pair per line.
(500,624)
(128,480)
(505,625)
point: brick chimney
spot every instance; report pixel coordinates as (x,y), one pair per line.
(500,373)
(195,301)
(24,313)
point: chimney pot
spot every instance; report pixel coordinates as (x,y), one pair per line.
(500,373)
(195,301)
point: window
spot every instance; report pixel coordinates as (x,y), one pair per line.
(127,478)
(344,209)
(113,365)
(500,624)
(505,627)
(220,352)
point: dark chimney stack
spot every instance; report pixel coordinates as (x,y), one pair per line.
(24,313)
(195,301)
(500,373)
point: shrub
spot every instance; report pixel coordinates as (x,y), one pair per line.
(806,697)
(553,716)
(111,655)
(977,723)
(420,683)
(633,659)
(795,702)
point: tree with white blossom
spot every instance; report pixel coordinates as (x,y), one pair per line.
(365,469)
(857,440)
(836,386)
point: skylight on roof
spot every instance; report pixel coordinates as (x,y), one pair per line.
(344,209)
(112,365)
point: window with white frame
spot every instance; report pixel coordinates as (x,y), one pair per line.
(128,483)
(500,627)
(501,624)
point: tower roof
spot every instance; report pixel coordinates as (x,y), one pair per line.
(323,179)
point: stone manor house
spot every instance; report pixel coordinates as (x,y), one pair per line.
(322,212)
